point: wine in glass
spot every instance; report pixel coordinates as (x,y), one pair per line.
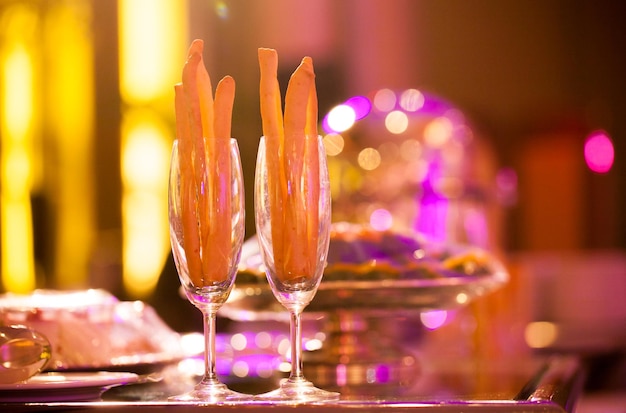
(206,214)
(292,211)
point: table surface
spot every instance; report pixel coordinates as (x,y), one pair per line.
(523,384)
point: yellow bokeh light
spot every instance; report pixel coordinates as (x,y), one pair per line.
(333,144)
(369,159)
(17,165)
(151,32)
(396,122)
(17,82)
(70,111)
(462,298)
(541,334)
(146,156)
(144,164)
(438,132)
(18,95)
(144,248)
(18,271)
(152,45)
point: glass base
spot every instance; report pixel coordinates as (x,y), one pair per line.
(295,392)
(211,393)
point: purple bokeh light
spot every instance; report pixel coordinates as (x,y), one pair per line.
(361,105)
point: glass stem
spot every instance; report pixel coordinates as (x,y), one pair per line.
(296,347)
(210,376)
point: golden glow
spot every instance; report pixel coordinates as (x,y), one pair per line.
(541,334)
(462,298)
(151,35)
(152,48)
(333,144)
(18,86)
(145,161)
(438,132)
(396,122)
(70,107)
(238,341)
(16,174)
(369,159)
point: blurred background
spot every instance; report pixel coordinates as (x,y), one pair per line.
(499,124)
(536,91)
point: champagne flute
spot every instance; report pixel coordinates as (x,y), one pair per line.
(207,291)
(276,218)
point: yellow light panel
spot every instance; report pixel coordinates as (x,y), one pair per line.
(151,35)
(16,163)
(70,104)
(144,206)
(153,40)
(18,88)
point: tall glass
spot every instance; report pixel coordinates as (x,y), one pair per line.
(277,220)
(191,211)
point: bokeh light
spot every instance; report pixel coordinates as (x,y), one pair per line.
(599,152)
(313,344)
(341,118)
(369,159)
(385,100)
(401,161)
(438,131)
(333,144)
(240,368)
(540,334)
(238,341)
(411,100)
(381,219)
(221,10)
(396,122)
(462,298)
(361,106)
(263,340)
(433,319)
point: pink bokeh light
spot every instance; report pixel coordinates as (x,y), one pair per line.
(599,152)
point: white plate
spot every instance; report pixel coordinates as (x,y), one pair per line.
(143,363)
(52,387)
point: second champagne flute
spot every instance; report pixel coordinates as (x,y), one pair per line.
(292,211)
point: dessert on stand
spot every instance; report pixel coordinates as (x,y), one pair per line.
(372,277)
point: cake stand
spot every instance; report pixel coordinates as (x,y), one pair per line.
(362,347)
